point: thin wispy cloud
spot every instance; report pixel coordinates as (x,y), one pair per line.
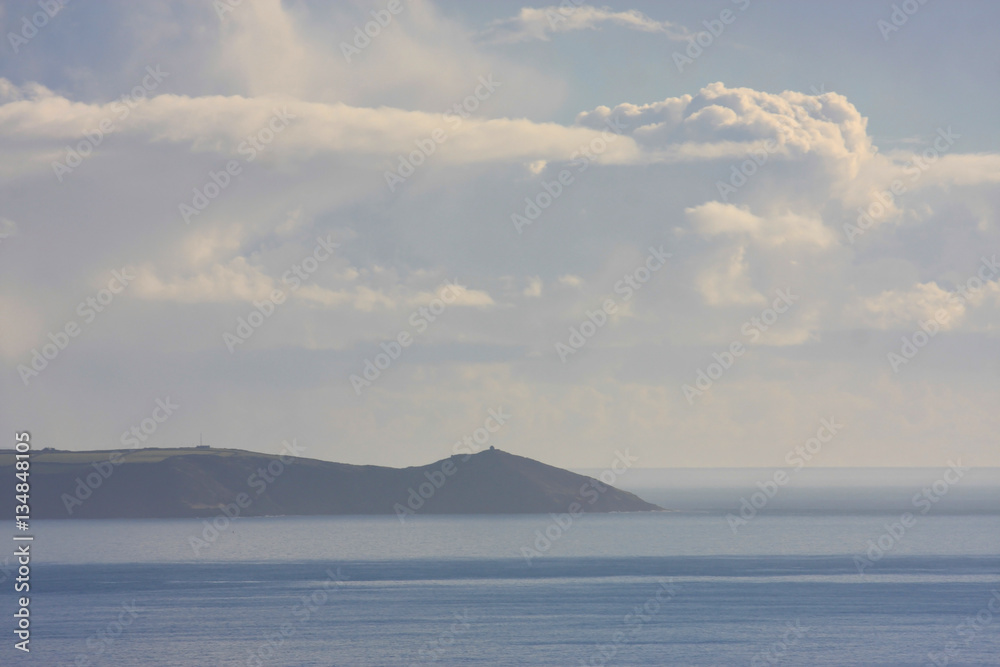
(540,23)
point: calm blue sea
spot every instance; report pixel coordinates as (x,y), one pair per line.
(650,589)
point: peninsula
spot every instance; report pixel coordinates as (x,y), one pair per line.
(196,482)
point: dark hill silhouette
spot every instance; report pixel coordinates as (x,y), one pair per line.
(175,483)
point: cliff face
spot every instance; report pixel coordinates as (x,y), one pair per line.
(176,483)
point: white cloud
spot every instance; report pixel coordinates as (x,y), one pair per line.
(721,122)
(718,219)
(534,288)
(726,282)
(540,23)
(898,308)
(235,280)
(222,124)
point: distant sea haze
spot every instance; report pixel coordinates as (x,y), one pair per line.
(813,490)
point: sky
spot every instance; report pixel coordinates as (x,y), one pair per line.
(710,234)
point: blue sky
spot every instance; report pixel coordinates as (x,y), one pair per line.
(252,167)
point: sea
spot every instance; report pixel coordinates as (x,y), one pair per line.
(663,588)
